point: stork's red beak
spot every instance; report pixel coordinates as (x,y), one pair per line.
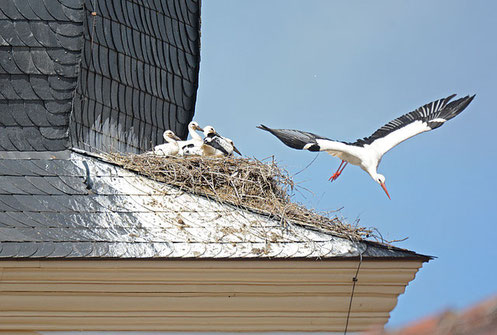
(385,189)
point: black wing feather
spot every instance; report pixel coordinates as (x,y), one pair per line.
(439,109)
(296,139)
(450,111)
(214,141)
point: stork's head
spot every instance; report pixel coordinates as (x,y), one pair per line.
(380,179)
(209,130)
(168,134)
(194,126)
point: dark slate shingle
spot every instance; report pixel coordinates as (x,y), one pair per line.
(127,57)
(56,52)
(39,58)
(47,211)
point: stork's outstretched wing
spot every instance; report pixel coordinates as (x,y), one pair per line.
(425,118)
(299,139)
(296,139)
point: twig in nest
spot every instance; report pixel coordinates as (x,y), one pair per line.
(245,183)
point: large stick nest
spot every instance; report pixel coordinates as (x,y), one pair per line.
(246,183)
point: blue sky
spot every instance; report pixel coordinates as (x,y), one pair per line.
(342,69)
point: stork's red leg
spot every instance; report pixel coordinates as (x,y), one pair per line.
(343,167)
(339,171)
(333,177)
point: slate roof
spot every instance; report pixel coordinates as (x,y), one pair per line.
(40,49)
(111,81)
(68,204)
(76,79)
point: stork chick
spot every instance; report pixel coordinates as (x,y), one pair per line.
(171,147)
(217,145)
(192,147)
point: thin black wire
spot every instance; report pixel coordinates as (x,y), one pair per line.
(354,281)
(307,165)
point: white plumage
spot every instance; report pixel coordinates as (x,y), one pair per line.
(192,147)
(367,152)
(217,145)
(212,145)
(170,148)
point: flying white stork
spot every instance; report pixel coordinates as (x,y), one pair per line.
(170,148)
(217,145)
(367,152)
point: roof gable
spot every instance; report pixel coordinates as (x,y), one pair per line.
(67,204)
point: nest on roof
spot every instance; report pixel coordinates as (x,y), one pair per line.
(246,183)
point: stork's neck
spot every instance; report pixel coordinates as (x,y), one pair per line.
(170,140)
(372,172)
(193,133)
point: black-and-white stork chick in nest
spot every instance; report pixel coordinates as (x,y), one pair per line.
(216,145)
(193,146)
(170,148)
(367,152)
